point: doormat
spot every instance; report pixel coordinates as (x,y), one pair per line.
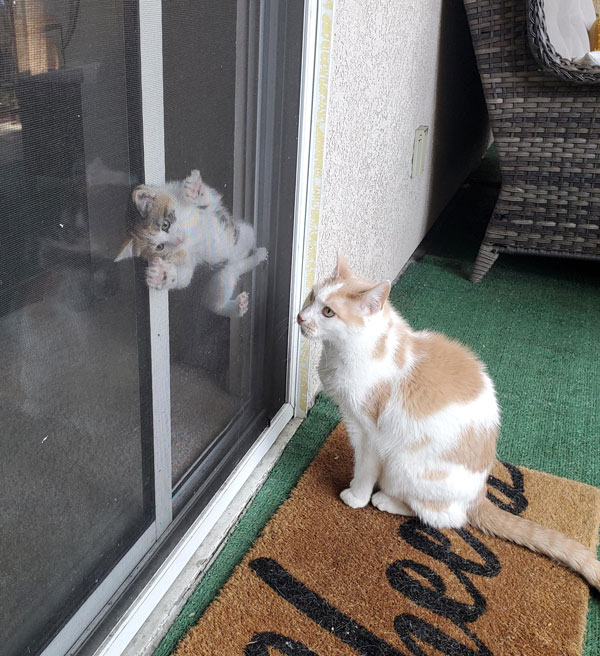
(324,579)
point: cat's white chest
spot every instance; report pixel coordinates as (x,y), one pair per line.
(347,380)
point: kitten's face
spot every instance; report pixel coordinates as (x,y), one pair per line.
(341,306)
(156,234)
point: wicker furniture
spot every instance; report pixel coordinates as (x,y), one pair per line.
(545,117)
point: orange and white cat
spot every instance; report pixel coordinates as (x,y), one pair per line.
(422,417)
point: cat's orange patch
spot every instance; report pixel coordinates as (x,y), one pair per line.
(400,350)
(345,301)
(377,399)
(380,347)
(475,449)
(436,506)
(434,474)
(162,204)
(444,372)
(419,444)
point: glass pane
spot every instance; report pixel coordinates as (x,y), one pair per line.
(231,88)
(75,472)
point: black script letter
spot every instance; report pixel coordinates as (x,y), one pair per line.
(319,611)
(408,625)
(434,598)
(514,492)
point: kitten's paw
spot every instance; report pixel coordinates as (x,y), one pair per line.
(192,185)
(161,274)
(350,499)
(155,274)
(262,254)
(243,301)
(388,504)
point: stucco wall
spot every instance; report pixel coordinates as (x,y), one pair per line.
(395,65)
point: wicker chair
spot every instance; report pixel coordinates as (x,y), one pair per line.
(545,118)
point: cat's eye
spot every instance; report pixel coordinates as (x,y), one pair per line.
(328,312)
(159,247)
(166,224)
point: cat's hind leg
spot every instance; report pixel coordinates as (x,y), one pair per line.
(440,514)
(221,287)
(219,292)
(386,503)
(248,263)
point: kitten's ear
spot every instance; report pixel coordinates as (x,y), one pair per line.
(143,197)
(373,299)
(127,250)
(342,270)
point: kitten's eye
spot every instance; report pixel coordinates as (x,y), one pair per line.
(160,247)
(328,312)
(166,224)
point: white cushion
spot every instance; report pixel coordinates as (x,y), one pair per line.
(589,59)
(589,13)
(551,8)
(568,22)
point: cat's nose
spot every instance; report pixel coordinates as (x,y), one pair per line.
(300,319)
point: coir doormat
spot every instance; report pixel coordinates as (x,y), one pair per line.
(324,579)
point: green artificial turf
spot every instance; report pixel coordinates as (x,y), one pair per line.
(535,322)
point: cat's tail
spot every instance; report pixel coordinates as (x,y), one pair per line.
(572,554)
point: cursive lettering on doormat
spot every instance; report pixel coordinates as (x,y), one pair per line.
(407,578)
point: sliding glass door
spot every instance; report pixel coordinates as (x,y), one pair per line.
(110,428)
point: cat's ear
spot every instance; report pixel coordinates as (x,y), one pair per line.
(342,270)
(127,250)
(143,198)
(373,299)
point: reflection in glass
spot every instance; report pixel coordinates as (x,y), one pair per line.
(74,484)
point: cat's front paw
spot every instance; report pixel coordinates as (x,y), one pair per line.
(161,274)
(192,185)
(350,499)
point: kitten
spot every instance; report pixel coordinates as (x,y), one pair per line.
(184,224)
(422,417)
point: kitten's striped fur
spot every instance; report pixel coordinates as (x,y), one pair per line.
(422,416)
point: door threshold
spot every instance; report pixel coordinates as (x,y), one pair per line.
(147,621)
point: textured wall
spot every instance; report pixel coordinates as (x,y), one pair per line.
(395,65)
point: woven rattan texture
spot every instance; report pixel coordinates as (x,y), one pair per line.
(545,117)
